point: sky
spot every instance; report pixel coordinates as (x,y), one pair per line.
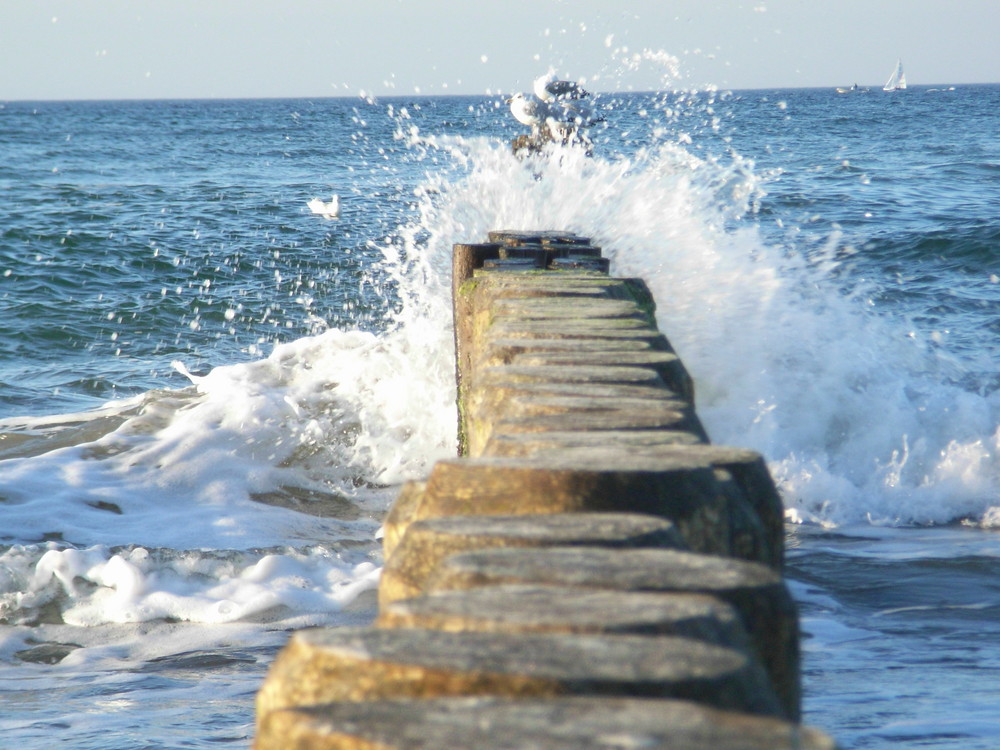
(154,49)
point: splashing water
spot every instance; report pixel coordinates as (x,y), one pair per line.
(860,418)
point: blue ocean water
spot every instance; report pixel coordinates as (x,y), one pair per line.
(208,393)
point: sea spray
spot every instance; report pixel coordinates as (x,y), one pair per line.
(858,416)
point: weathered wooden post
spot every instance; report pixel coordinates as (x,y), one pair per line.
(465,259)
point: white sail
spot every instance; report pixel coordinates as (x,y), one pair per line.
(897,81)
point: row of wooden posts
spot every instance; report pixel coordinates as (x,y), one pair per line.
(589,572)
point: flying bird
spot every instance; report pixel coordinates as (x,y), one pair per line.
(329,210)
(548,88)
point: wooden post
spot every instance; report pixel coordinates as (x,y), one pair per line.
(465,259)
(591,723)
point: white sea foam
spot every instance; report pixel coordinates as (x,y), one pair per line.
(329,414)
(97,586)
(226,497)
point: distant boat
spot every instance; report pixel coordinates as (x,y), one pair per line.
(897,81)
(855,89)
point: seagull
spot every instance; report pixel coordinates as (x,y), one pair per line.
(557,111)
(548,88)
(529,110)
(569,98)
(329,210)
(579,112)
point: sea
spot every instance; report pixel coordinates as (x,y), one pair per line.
(210,393)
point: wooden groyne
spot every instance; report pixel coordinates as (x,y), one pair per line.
(589,572)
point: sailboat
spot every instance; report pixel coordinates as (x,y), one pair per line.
(897,81)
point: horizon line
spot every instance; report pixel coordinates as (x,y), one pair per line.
(364,96)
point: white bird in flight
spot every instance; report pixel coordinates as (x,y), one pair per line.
(329,210)
(548,88)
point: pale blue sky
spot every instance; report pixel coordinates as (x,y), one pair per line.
(104,49)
